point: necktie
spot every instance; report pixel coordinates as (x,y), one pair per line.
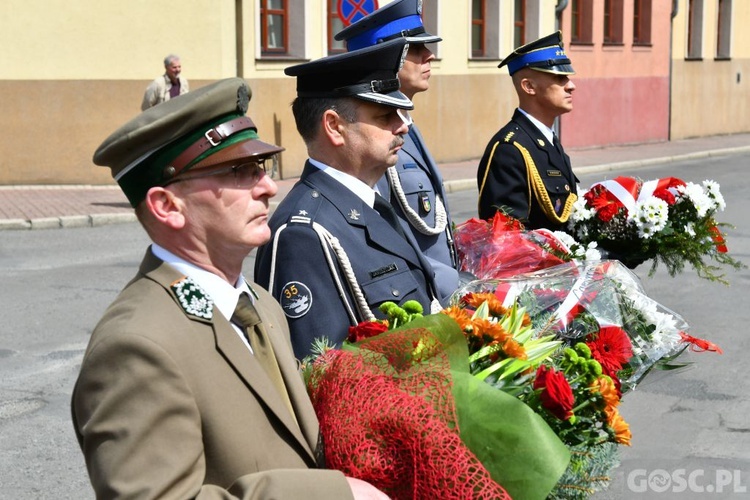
(387,212)
(558,146)
(246,316)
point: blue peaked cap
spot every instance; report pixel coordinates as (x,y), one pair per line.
(546,54)
(398,19)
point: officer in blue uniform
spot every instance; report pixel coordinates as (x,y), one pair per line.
(337,250)
(414,185)
(524,170)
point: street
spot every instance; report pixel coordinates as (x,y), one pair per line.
(691,431)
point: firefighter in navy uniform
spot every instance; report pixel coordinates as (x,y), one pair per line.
(524,171)
(414,185)
(337,250)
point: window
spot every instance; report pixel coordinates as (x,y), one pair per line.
(519,23)
(485,35)
(274,26)
(695,29)
(582,17)
(281,34)
(478,8)
(430,20)
(613,21)
(724,30)
(642,22)
(335,24)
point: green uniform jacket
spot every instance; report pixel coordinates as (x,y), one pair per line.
(172,405)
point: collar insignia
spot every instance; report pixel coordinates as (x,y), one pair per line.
(303,212)
(193,299)
(541,142)
(353,214)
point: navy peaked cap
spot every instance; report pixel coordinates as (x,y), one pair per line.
(398,19)
(370,74)
(546,54)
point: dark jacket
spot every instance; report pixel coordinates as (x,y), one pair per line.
(525,175)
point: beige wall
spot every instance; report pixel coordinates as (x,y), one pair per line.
(710,96)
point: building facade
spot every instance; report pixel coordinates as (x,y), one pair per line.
(647,70)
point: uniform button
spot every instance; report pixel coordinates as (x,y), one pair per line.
(395,293)
(314,194)
(420,185)
(567,188)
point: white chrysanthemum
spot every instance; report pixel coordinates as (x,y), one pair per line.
(713,192)
(689,229)
(592,253)
(702,202)
(650,216)
(579,211)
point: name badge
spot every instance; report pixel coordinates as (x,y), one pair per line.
(407,166)
(553,173)
(383,270)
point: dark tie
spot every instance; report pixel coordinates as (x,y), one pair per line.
(387,212)
(246,316)
(558,146)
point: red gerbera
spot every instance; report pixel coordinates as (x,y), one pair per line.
(611,347)
(556,395)
(603,202)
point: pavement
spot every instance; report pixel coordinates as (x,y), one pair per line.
(63,206)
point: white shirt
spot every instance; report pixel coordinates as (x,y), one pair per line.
(223,294)
(544,129)
(356,186)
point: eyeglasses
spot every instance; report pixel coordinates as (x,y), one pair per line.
(246,175)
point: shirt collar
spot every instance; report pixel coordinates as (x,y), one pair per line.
(544,129)
(356,186)
(222,293)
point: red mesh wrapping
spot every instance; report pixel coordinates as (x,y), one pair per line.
(387,416)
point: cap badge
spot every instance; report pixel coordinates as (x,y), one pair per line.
(354,214)
(419,7)
(193,299)
(296,299)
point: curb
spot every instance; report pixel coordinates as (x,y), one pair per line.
(453,186)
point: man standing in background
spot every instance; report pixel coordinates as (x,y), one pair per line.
(167,86)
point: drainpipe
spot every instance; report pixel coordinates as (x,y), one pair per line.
(675,10)
(559,8)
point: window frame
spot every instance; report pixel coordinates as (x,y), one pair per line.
(581,22)
(479,23)
(331,16)
(694,39)
(642,22)
(613,22)
(265,13)
(724,30)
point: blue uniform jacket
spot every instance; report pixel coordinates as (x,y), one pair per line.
(421,182)
(386,266)
(526,175)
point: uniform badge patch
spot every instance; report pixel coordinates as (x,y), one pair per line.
(193,299)
(353,214)
(296,299)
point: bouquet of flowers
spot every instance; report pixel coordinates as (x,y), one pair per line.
(400,408)
(501,247)
(569,341)
(667,220)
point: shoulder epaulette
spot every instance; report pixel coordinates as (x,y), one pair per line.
(509,136)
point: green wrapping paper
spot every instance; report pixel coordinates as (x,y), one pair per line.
(514,444)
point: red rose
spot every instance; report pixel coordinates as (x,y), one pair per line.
(365,330)
(556,395)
